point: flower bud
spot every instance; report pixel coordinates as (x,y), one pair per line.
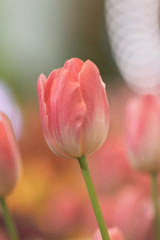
(9,157)
(73,109)
(143,133)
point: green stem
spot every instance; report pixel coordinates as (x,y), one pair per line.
(8,221)
(93,198)
(155,202)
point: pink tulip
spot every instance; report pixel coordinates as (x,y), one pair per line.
(112,169)
(114,233)
(133,213)
(73,109)
(9,157)
(143,132)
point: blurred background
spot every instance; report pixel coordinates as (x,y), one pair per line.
(50,200)
(38,36)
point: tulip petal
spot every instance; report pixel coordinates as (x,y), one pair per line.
(47,93)
(48,84)
(42,105)
(67,113)
(95,125)
(74,65)
(43,86)
(10,164)
(142,128)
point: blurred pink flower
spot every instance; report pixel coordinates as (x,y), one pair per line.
(10,108)
(3,236)
(114,233)
(112,168)
(133,213)
(61,213)
(73,109)
(143,132)
(9,157)
(130,209)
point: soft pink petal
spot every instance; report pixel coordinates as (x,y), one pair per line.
(139,111)
(74,65)
(49,83)
(46,125)
(10,164)
(42,105)
(143,132)
(95,125)
(67,113)
(48,93)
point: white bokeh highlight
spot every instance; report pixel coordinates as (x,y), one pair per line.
(134,32)
(10,108)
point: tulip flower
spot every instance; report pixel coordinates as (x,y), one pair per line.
(9,169)
(143,141)
(73,109)
(133,212)
(9,157)
(74,116)
(143,133)
(114,233)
